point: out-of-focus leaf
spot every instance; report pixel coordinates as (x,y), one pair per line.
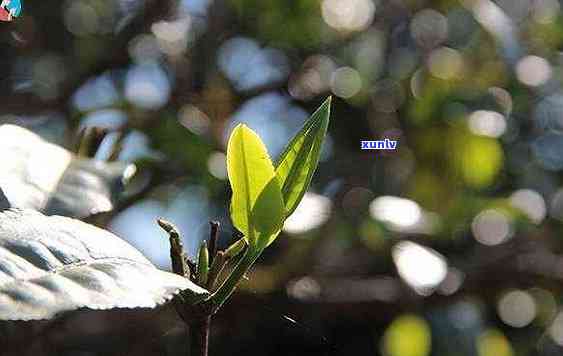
(88,187)
(494,342)
(479,160)
(298,162)
(285,26)
(408,335)
(257,208)
(39,175)
(50,265)
(4,203)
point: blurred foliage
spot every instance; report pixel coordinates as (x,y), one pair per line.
(471,90)
(407,335)
(300,19)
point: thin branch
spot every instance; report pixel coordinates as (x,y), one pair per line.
(213,239)
(177,254)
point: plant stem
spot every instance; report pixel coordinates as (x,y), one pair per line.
(230,284)
(199,336)
(213,239)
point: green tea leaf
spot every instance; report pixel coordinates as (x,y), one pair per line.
(53,264)
(257,208)
(298,162)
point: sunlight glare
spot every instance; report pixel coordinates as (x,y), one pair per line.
(350,15)
(420,267)
(487,123)
(313,211)
(400,212)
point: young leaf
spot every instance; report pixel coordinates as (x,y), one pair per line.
(257,208)
(300,158)
(53,264)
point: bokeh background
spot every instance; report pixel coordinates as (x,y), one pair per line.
(450,245)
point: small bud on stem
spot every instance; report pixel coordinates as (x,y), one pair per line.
(203,265)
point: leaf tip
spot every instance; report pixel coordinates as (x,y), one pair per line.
(243,128)
(239,126)
(328,104)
